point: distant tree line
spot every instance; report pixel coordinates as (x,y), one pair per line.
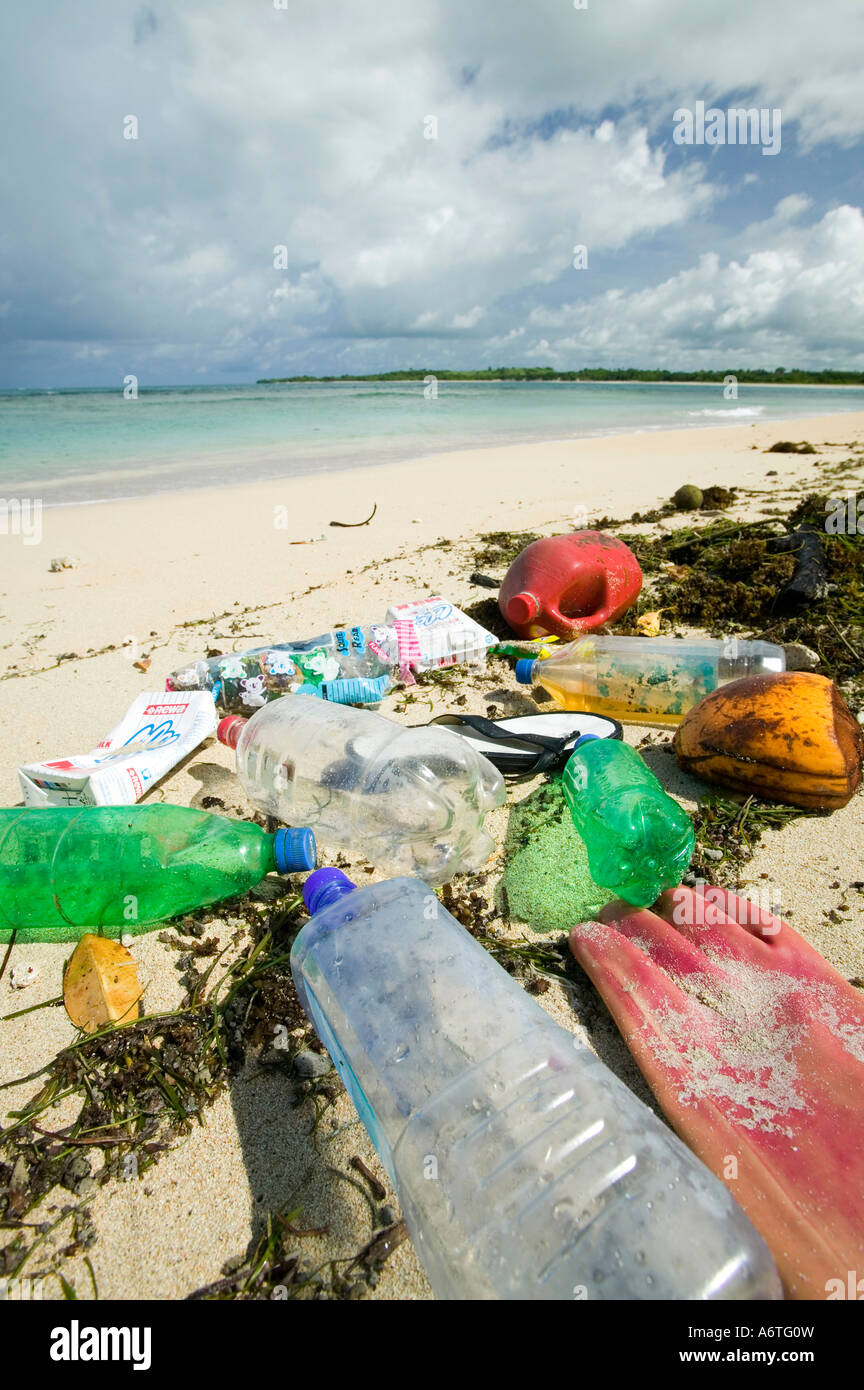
(791,376)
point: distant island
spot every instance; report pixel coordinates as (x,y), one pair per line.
(759,376)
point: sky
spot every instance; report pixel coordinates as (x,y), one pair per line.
(342,187)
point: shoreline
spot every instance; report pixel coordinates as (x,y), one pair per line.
(146,566)
(474,380)
(146,577)
(178,472)
(711,420)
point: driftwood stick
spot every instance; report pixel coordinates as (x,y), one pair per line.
(810,578)
(357,523)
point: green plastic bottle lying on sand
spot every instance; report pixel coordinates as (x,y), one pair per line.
(639,840)
(65,871)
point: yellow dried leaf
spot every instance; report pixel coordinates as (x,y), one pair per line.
(101,984)
(648,624)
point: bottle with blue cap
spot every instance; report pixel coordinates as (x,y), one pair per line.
(525,1169)
(652,680)
(65,871)
(410,800)
(639,840)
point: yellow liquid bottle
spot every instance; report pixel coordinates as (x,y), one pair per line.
(646,680)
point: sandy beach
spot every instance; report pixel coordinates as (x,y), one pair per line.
(162,579)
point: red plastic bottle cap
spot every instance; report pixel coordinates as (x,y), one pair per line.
(522,608)
(229,729)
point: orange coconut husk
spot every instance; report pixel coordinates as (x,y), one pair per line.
(786,737)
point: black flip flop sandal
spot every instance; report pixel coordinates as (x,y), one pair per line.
(529,744)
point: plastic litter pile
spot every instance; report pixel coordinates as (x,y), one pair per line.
(351,666)
(551,1176)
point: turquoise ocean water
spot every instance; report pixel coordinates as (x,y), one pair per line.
(94,445)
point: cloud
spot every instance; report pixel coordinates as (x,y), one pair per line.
(781,53)
(306,127)
(798,297)
(145,24)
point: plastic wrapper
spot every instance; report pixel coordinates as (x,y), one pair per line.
(158,730)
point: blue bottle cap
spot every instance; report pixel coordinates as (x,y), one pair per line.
(294,851)
(525,670)
(586,738)
(324,887)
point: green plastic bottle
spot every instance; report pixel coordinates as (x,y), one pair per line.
(639,840)
(69,870)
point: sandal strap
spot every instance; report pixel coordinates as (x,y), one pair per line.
(549,749)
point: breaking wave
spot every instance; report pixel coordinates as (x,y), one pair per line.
(737,410)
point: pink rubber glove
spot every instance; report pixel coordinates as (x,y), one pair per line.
(754,1047)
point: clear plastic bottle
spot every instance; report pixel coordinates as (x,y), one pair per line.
(654,680)
(359,654)
(411,800)
(639,840)
(524,1167)
(417,636)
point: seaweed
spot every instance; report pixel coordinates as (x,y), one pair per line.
(725,577)
(487,613)
(717,498)
(143,1086)
(529,962)
(498,549)
(728,834)
(273,1269)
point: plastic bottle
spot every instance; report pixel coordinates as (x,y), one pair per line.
(358,654)
(411,800)
(525,1169)
(654,680)
(247,680)
(639,840)
(418,636)
(569,584)
(65,871)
